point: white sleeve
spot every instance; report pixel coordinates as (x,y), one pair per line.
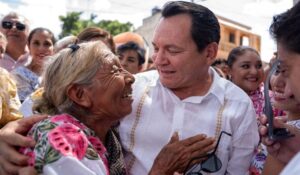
(26,107)
(68,165)
(245,139)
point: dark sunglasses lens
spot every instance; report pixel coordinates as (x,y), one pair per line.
(7,25)
(20,26)
(212,164)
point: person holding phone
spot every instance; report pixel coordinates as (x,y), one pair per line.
(285,29)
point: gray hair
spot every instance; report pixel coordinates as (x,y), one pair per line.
(70,67)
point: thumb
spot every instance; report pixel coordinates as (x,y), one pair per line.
(279,123)
(27,171)
(174,138)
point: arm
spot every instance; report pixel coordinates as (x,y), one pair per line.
(272,166)
(10,136)
(176,155)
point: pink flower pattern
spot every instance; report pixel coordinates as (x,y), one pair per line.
(60,136)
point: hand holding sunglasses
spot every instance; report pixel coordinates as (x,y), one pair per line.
(9,25)
(212,163)
(273,133)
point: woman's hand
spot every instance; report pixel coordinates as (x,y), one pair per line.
(175,156)
(10,136)
(282,150)
(27,171)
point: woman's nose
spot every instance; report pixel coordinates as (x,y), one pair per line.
(129,78)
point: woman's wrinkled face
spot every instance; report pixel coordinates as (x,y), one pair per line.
(247,72)
(110,91)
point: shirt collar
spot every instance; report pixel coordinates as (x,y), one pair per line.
(216,89)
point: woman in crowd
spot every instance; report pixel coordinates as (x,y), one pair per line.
(40,44)
(246,71)
(85,101)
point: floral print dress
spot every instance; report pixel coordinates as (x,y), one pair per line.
(66,146)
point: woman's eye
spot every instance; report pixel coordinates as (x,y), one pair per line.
(245,66)
(259,66)
(116,69)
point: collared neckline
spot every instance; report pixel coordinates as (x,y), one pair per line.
(217,89)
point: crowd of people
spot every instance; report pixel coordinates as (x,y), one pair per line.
(90,104)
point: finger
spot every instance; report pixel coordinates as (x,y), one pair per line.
(15,139)
(273,148)
(174,138)
(10,133)
(194,139)
(203,146)
(26,123)
(263,130)
(203,152)
(8,168)
(12,155)
(267,141)
(27,171)
(263,119)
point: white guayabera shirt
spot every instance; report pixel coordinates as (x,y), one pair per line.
(151,124)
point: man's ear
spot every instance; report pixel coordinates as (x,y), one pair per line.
(211,52)
(78,95)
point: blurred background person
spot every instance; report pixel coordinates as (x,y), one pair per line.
(126,37)
(3,43)
(9,101)
(16,29)
(96,33)
(40,44)
(132,57)
(64,42)
(221,65)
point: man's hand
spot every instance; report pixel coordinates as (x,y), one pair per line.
(282,150)
(10,137)
(175,156)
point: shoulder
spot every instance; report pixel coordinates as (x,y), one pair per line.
(22,71)
(146,77)
(234,93)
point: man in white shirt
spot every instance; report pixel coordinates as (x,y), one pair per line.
(186,96)
(16,29)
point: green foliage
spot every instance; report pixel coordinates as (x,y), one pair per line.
(72,24)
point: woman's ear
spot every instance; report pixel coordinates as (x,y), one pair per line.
(78,94)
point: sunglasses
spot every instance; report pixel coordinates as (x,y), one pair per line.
(9,25)
(273,133)
(211,165)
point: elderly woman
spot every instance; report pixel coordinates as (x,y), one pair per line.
(86,92)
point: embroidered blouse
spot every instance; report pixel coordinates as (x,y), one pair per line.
(66,146)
